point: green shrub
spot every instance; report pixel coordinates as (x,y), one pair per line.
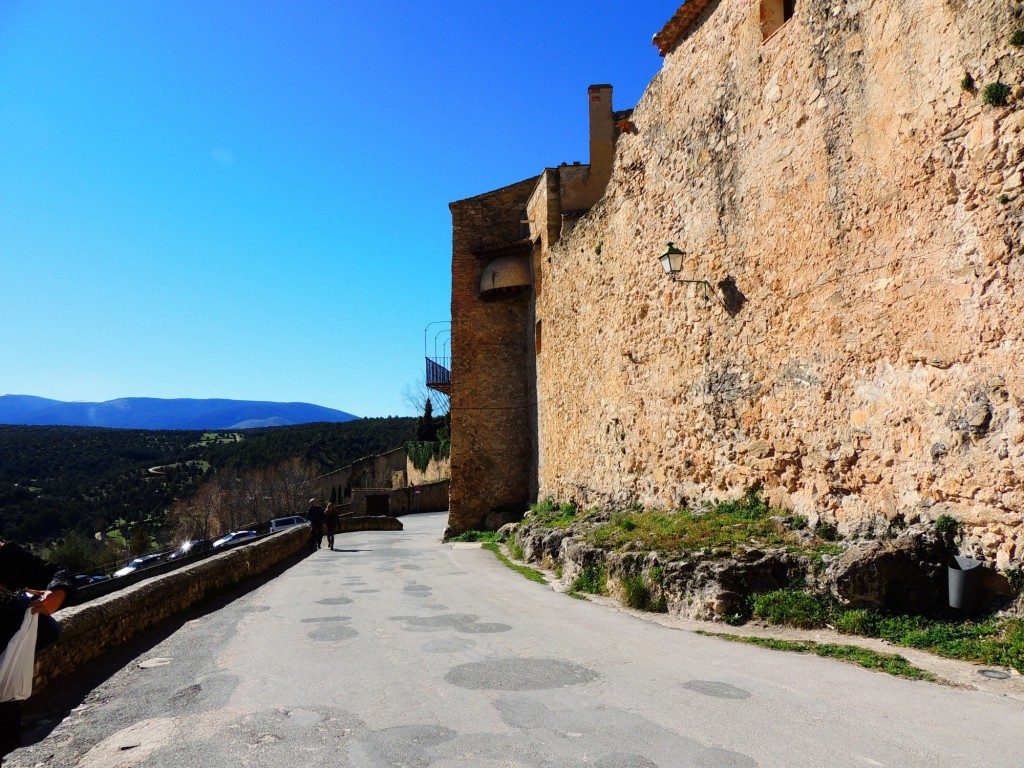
(795,609)
(593,580)
(637,593)
(996,94)
(856,622)
(1017,38)
(967,83)
(947,527)
(1016,578)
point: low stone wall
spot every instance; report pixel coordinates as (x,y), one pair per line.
(369,523)
(92,628)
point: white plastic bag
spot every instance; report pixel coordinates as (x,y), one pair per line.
(17,662)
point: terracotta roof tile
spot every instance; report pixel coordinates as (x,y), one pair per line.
(679,24)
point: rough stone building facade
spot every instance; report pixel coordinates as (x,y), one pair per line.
(835,175)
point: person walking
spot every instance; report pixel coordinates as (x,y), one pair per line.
(315,515)
(331,522)
(26,580)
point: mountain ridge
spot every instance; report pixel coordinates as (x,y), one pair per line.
(159,413)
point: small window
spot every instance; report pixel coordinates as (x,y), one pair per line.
(775,13)
(536,338)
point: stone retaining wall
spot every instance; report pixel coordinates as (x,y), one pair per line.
(90,629)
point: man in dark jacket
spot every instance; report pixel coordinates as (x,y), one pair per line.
(315,515)
(47,586)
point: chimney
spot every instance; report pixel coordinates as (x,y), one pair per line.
(602,136)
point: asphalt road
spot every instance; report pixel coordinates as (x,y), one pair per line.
(402,651)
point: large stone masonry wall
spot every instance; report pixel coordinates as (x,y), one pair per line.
(490,451)
(859,217)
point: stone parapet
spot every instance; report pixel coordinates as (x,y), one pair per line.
(92,628)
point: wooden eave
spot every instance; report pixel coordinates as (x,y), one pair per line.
(679,24)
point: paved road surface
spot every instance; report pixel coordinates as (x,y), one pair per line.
(401,651)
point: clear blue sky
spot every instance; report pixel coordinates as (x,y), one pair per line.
(249,200)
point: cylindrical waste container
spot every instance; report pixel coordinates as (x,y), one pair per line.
(964,582)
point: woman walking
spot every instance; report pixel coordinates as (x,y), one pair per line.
(331,522)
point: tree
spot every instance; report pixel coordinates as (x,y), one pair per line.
(426,428)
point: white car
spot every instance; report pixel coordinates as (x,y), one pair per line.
(233,537)
(280,523)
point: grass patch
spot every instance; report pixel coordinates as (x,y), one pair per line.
(550,514)
(794,609)
(990,641)
(727,527)
(476,536)
(891,663)
(523,570)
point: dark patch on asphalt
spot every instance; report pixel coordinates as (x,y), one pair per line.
(404,745)
(326,618)
(334,601)
(451,645)
(254,609)
(723,758)
(364,591)
(207,693)
(418,590)
(623,760)
(519,675)
(332,633)
(460,622)
(410,567)
(716,689)
(186,697)
(616,738)
(280,737)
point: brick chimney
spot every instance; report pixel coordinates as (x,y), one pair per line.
(602,136)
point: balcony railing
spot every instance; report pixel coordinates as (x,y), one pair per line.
(439,374)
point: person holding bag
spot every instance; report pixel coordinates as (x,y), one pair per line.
(30,590)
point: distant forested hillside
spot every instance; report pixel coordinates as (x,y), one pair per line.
(57,480)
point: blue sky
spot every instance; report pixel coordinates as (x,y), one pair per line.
(250,199)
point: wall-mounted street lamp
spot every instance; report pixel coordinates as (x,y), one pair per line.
(672,261)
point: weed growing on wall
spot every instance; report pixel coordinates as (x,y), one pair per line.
(996,94)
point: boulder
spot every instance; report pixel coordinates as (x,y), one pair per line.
(904,574)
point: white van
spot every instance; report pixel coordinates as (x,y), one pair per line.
(281,523)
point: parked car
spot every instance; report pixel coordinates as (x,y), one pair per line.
(138,563)
(85,579)
(233,537)
(191,547)
(280,523)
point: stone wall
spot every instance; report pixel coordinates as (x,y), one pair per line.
(858,216)
(433,497)
(491,445)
